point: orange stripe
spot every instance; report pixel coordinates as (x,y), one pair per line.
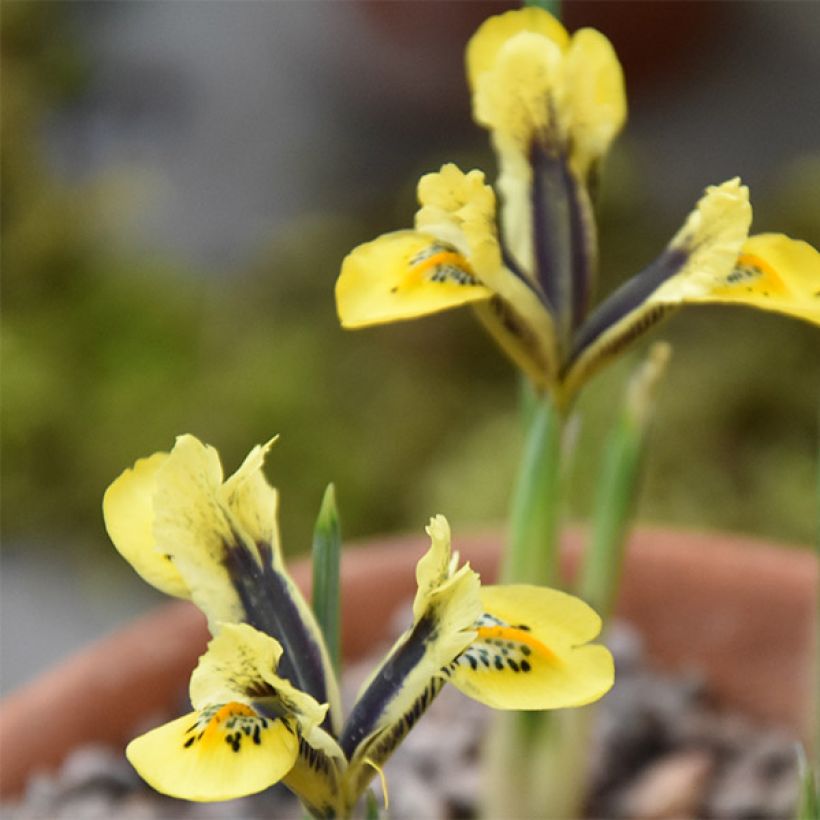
(419,269)
(225,712)
(509,633)
(752,261)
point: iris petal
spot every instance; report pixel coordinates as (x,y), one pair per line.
(773,272)
(220,753)
(532,651)
(704,251)
(128,510)
(404,275)
(245,733)
(408,680)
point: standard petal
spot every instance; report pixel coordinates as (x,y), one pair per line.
(128,510)
(241,664)
(222,752)
(460,209)
(435,566)
(773,272)
(596,98)
(252,500)
(532,651)
(196,530)
(494,32)
(403,275)
(703,252)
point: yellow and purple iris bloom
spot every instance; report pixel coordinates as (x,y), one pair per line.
(265,697)
(553,105)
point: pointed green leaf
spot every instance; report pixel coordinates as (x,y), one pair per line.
(327,548)
(619,485)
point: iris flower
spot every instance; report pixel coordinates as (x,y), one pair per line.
(553,105)
(265,699)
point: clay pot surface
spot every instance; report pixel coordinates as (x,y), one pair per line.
(736,610)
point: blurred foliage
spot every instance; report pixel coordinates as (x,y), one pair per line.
(109,353)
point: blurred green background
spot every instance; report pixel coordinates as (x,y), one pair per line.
(113,343)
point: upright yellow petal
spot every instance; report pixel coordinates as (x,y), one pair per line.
(128,510)
(222,752)
(240,664)
(461,209)
(532,651)
(494,32)
(194,528)
(252,500)
(596,98)
(773,272)
(435,566)
(403,275)
(521,98)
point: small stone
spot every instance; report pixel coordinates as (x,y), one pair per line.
(97,766)
(758,780)
(672,787)
(412,798)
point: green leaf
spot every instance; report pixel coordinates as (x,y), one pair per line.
(327,548)
(808,806)
(371,806)
(619,486)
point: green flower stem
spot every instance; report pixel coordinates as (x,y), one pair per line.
(619,486)
(552,6)
(327,548)
(532,556)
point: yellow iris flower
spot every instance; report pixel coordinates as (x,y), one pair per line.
(553,104)
(264,697)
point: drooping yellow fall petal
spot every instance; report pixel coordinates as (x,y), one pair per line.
(404,275)
(532,651)
(245,733)
(225,751)
(773,272)
(128,511)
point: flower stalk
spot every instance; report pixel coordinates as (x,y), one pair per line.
(532,554)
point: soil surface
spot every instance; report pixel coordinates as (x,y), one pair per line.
(661,750)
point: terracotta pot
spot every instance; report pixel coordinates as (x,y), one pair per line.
(738,610)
